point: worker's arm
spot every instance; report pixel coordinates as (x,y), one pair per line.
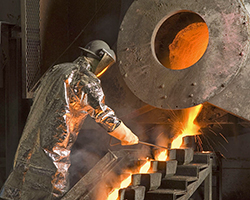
(123,133)
(106,117)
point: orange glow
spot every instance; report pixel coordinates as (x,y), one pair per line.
(188,46)
(162,156)
(145,168)
(115,193)
(126,182)
(177,141)
(102,72)
(189,128)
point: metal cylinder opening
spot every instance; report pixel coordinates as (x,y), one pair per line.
(181,40)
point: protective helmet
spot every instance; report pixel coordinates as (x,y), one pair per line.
(101,51)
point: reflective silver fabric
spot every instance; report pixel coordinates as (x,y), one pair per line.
(66,95)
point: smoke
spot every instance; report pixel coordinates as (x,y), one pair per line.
(91,145)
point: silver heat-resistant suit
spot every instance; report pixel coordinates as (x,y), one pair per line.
(66,95)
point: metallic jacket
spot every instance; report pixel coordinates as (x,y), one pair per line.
(66,95)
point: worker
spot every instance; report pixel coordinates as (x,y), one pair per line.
(66,94)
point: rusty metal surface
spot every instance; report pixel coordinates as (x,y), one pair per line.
(182,187)
(161,87)
(134,192)
(166,168)
(182,155)
(151,181)
(235,98)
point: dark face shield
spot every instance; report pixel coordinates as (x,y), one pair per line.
(106,61)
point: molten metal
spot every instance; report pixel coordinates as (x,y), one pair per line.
(189,127)
(126,182)
(188,46)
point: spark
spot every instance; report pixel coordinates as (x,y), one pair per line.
(212,132)
(223,137)
(223,146)
(218,124)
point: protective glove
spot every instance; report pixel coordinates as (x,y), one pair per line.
(125,135)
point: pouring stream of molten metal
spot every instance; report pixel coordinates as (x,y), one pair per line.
(189,128)
(126,182)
